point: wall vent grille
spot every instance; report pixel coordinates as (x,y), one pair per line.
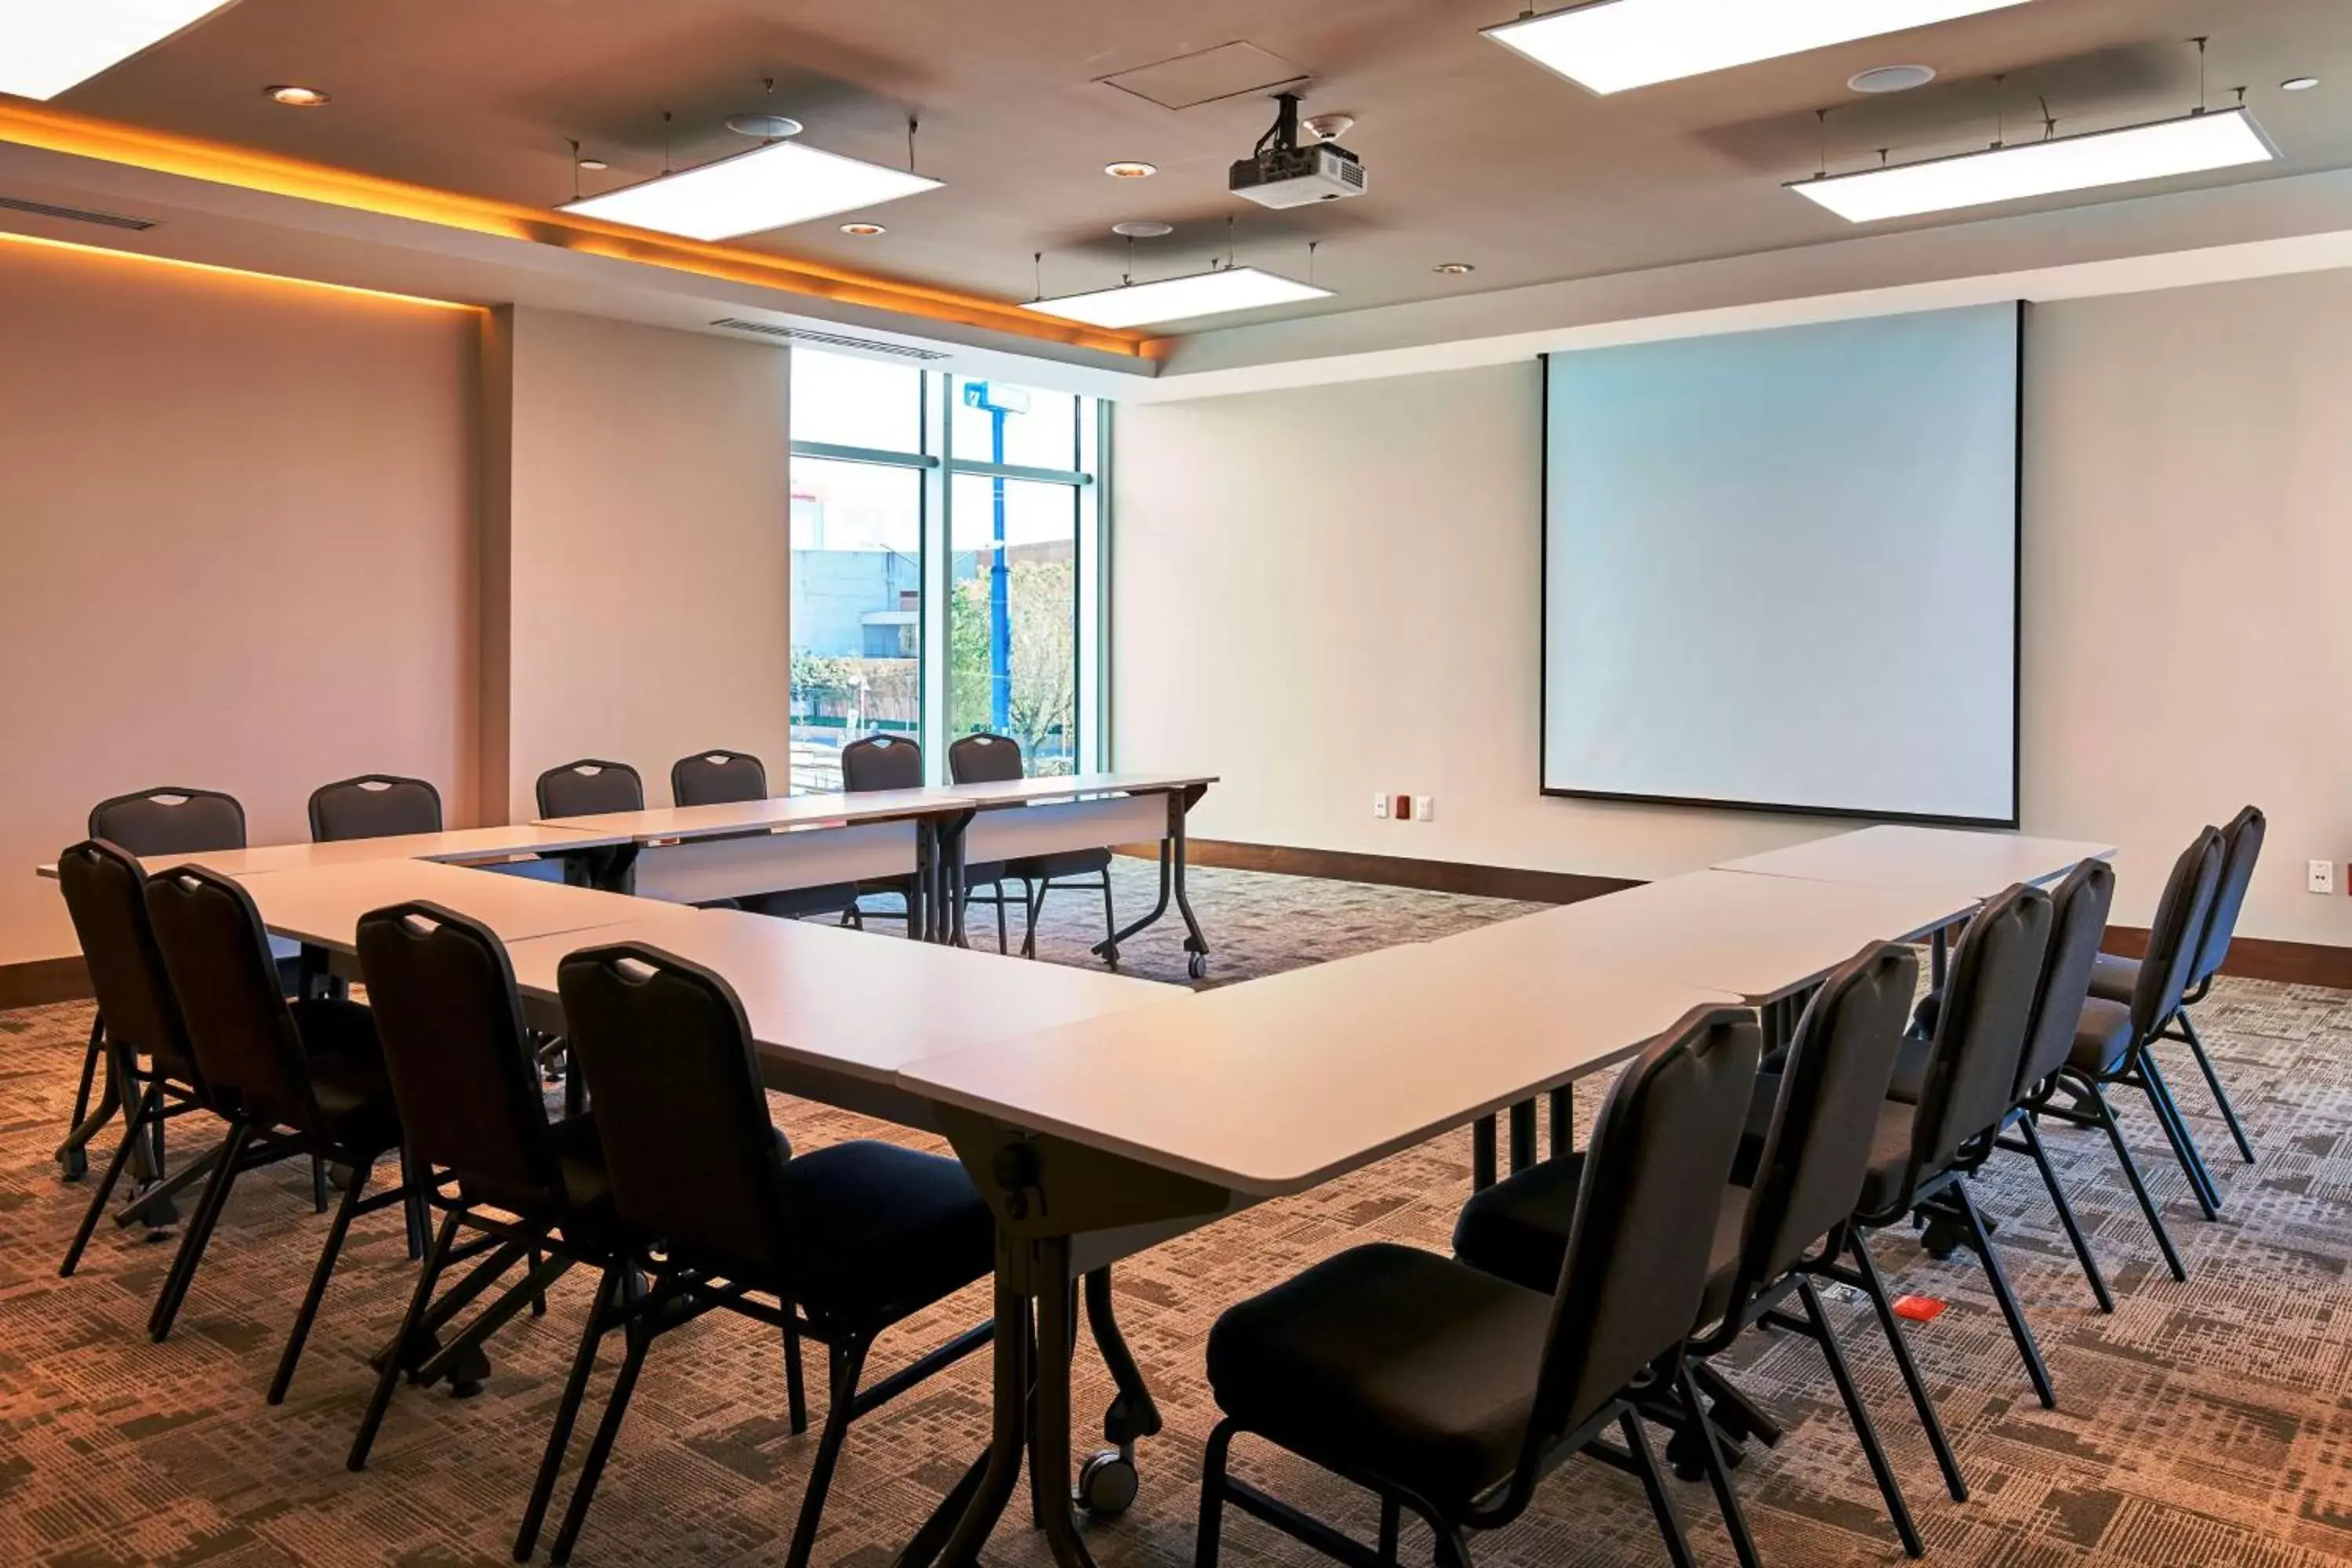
(75,215)
(828,340)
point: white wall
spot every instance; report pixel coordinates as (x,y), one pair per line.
(1330,594)
(236,551)
(647,539)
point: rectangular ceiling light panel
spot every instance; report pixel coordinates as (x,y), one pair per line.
(48,46)
(1179,299)
(1613,45)
(2189,145)
(768,187)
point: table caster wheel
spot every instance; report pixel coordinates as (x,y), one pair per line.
(1111,956)
(73,1163)
(1197,966)
(1942,1239)
(1107,1484)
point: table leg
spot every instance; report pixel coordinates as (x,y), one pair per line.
(1107,949)
(960,1526)
(1523,1135)
(1937,948)
(1049,1443)
(1563,1120)
(1482,1172)
(1172,886)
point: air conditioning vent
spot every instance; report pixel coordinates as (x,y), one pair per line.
(829,340)
(75,215)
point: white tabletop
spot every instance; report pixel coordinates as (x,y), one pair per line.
(1761,937)
(1071,786)
(1273,1086)
(455,844)
(1896,855)
(859,1003)
(772,812)
(322,905)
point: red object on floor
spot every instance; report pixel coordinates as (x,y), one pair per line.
(1918,1309)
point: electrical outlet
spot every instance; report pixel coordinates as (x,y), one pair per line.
(2322,876)
(1424,807)
(1381,807)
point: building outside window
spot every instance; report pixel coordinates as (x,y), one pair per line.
(946,565)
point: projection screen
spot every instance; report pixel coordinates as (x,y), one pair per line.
(1780,569)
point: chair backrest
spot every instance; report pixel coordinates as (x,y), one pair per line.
(2242,845)
(717,778)
(693,1158)
(2173,933)
(106,893)
(985,759)
(588,787)
(1637,1249)
(170,821)
(373,805)
(216,952)
(881,762)
(2078,924)
(1817,1149)
(462,1070)
(1981,1030)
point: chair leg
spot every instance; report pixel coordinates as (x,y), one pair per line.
(2107,1115)
(398,1361)
(1003,942)
(1392,1520)
(1207,1538)
(2066,1217)
(795,1387)
(318,1291)
(91,1058)
(1110,914)
(1865,1431)
(1718,1474)
(609,1291)
(1875,1288)
(2176,1132)
(1033,900)
(145,1112)
(584,1491)
(194,1240)
(414,1216)
(2213,1083)
(1662,1502)
(317,1186)
(847,1359)
(2028,1351)
(1453,1545)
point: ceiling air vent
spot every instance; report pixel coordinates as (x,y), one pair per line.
(74,214)
(828,340)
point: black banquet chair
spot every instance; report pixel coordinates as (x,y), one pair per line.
(1453,1392)
(373,805)
(996,759)
(303,1076)
(721,777)
(589,787)
(716,1210)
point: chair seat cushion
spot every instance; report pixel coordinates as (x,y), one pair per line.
(1518,1229)
(1063,864)
(1890,1157)
(2102,1038)
(347,1078)
(2114,979)
(1390,1359)
(878,1231)
(1911,1064)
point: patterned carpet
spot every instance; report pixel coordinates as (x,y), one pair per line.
(2201,1425)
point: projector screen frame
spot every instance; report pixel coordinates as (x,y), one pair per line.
(1851,813)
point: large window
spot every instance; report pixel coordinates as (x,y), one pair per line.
(946,564)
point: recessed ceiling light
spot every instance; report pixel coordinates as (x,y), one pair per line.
(2300,83)
(1130,171)
(1891,78)
(766,188)
(863,230)
(1216,293)
(594,166)
(1455,268)
(1143,228)
(47,48)
(294,97)
(2188,145)
(770,127)
(1610,46)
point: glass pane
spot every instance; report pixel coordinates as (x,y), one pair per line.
(1012,622)
(849,402)
(857,549)
(999,424)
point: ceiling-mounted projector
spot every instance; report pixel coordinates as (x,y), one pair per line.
(1282,173)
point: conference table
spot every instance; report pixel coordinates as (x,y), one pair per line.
(1099,1116)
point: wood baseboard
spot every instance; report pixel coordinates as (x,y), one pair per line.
(1395,870)
(42,982)
(2259,958)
